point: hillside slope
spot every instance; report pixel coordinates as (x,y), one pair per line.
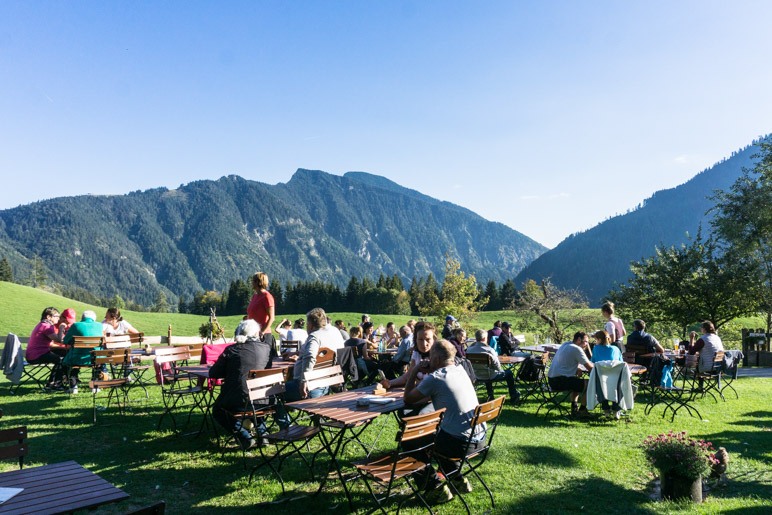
(207,233)
(596,260)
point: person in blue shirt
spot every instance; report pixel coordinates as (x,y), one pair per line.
(603,350)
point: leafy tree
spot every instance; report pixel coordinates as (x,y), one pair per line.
(687,284)
(562,310)
(743,222)
(117,302)
(161,303)
(203,301)
(458,295)
(182,305)
(6,272)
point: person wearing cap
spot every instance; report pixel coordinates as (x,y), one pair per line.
(447,329)
(41,346)
(88,326)
(507,341)
(67,318)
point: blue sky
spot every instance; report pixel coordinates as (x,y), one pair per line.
(546,116)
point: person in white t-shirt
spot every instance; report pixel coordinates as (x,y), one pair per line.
(563,374)
(115,325)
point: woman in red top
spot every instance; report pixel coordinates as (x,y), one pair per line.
(261,307)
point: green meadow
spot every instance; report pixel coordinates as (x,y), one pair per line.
(538,464)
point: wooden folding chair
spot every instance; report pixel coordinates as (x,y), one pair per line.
(13,444)
(551,399)
(288,440)
(116,360)
(324,358)
(673,397)
(482,363)
(289,346)
(83,345)
(134,370)
(488,414)
(418,433)
(176,385)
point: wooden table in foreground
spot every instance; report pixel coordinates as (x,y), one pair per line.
(57,488)
(345,420)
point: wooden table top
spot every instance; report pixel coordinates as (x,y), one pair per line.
(511,360)
(342,407)
(57,488)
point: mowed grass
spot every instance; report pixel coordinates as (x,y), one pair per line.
(537,465)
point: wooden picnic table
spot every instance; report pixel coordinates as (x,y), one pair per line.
(57,488)
(343,419)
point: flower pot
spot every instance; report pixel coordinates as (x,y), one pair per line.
(675,487)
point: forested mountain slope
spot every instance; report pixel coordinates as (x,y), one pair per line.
(596,260)
(205,234)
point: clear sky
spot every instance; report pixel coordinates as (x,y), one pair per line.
(548,116)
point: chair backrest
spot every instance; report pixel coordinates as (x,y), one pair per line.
(691,361)
(266,383)
(325,358)
(636,349)
(117,342)
(111,357)
(718,362)
(628,357)
(419,426)
(488,413)
(172,354)
(139,339)
(482,363)
(289,345)
(13,444)
(86,342)
(321,377)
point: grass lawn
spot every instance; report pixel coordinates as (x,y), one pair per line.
(537,464)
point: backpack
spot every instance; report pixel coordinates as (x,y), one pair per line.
(468,368)
(656,368)
(528,371)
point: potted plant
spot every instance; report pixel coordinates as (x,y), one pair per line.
(681,462)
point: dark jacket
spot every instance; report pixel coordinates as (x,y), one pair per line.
(233,366)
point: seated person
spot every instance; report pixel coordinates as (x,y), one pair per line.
(603,350)
(341,326)
(248,352)
(283,328)
(331,338)
(42,345)
(424,338)
(447,386)
(458,339)
(396,367)
(67,318)
(640,340)
(368,333)
(298,332)
(296,388)
(368,368)
(88,326)
(707,345)
(496,373)
(507,342)
(115,325)
(563,373)
(390,338)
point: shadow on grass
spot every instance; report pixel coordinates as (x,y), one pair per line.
(547,456)
(589,495)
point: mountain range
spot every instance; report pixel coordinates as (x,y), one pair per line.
(597,260)
(205,234)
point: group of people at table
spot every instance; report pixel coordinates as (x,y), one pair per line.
(429,366)
(51,342)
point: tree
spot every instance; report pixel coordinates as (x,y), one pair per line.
(6,272)
(562,310)
(492,292)
(458,295)
(743,222)
(687,284)
(161,303)
(117,302)
(39,275)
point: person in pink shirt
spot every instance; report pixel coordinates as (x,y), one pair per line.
(42,342)
(66,319)
(262,307)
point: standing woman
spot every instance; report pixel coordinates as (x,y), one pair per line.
(614,325)
(262,307)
